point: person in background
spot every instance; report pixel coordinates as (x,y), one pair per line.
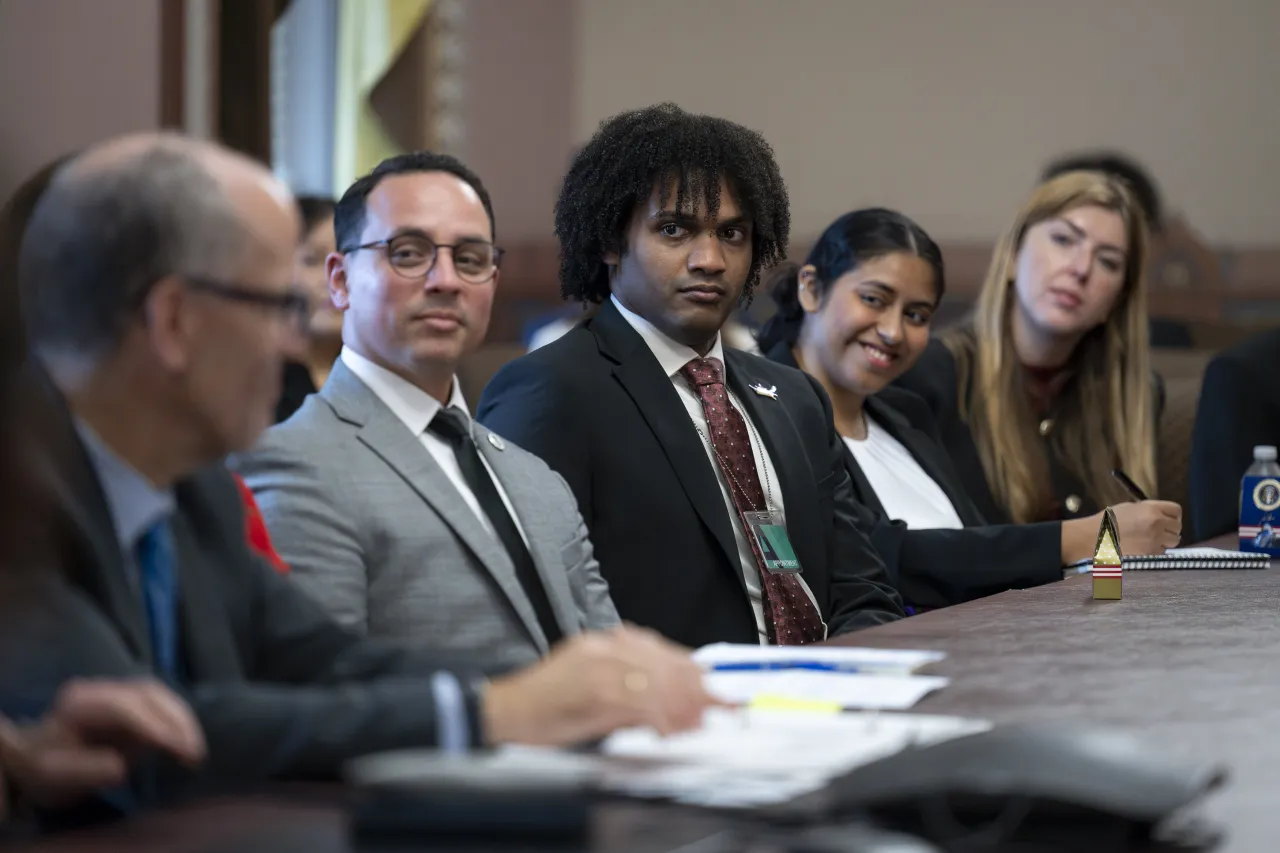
(856,315)
(324,332)
(1164,332)
(158,295)
(1048,387)
(681,451)
(395,511)
(13,225)
(1239,409)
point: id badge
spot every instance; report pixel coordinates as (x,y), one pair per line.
(770,532)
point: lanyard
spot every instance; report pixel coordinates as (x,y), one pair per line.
(753,441)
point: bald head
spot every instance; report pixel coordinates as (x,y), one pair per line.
(130,212)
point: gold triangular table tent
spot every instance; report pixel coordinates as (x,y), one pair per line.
(1108,562)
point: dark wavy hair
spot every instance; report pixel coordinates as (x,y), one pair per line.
(314,209)
(26,446)
(854,238)
(635,152)
(349,215)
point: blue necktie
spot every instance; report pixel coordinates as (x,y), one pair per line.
(159,579)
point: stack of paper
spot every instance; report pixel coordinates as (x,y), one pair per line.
(818,678)
(740,759)
(724,656)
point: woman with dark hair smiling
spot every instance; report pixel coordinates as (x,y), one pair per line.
(856,316)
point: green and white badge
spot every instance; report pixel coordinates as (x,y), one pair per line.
(770,532)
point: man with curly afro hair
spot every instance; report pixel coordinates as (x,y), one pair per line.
(712,481)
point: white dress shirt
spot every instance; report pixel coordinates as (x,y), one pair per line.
(905,491)
(672,356)
(415,408)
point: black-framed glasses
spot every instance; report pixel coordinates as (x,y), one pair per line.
(294,304)
(413,256)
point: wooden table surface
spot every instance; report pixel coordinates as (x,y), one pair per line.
(1188,659)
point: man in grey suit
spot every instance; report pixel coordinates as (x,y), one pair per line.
(400,514)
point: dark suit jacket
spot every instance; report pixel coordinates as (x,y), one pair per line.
(933,378)
(295,386)
(1239,409)
(597,406)
(936,568)
(279,688)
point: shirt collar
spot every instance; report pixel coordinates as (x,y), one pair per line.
(414,407)
(670,354)
(136,505)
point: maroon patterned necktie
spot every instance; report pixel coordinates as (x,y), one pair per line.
(789,614)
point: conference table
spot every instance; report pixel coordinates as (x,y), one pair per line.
(1189,660)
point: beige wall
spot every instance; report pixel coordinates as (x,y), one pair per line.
(519,80)
(72,72)
(948,109)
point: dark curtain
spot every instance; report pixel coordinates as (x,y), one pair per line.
(244,74)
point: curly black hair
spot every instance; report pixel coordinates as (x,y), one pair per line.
(634,152)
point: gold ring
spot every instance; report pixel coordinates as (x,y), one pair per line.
(636,681)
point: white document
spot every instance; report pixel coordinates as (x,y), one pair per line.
(848,659)
(741,759)
(845,689)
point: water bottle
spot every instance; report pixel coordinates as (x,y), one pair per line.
(1259,502)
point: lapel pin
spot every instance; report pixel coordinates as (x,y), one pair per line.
(498,444)
(771,392)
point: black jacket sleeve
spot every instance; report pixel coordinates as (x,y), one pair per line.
(862,595)
(938,568)
(360,697)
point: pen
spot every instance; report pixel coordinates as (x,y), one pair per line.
(815,666)
(1130,486)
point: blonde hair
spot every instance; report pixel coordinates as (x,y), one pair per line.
(1107,415)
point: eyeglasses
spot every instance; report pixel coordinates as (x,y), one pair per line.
(293,304)
(413,257)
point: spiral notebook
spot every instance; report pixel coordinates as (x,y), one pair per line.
(1185,558)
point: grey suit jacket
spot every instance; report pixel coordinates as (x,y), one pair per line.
(374,529)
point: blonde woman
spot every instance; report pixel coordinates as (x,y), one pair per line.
(1048,387)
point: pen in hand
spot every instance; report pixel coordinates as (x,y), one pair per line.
(1130,486)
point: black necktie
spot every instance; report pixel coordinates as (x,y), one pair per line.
(452,427)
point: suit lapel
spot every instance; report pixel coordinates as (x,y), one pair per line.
(929,456)
(781,439)
(207,646)
(105,574)
(383,433)
(524,495)
(101,569)
(659,404)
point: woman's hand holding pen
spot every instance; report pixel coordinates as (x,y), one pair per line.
(1147,527)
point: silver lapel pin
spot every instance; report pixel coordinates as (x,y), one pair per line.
(498,444)
(771,392)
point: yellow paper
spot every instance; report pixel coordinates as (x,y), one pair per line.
(784,703)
